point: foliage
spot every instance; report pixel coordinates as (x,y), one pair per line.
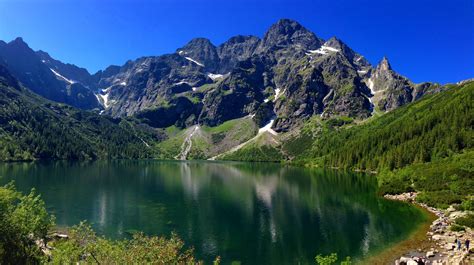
(85,246)
(23,219)
(430,129)
(456,228)
(467,220)
(331,259)
(442,182)
(326,260)
(33,128)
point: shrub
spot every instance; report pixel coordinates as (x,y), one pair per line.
(23,219)
(456,228)
(467,220)
(439,199)
(84,245)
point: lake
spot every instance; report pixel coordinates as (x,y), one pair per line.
(253,213)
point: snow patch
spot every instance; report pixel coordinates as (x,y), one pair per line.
(362,71)
(267,128)
(123,83)
(103,96)
(214,77)
(43,61)
(266,100)
(194,61)
(105,99)
(180,83)
(371,85)
(194,88)
(277,93)
(324,50)
(62,77)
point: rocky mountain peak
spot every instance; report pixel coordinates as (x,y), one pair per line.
(384,65)
(240,39)
(198,43)
(335,43)
(287,32)
(18,40)
(201,52)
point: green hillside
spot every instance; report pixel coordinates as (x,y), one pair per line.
(33,128)
(433,128)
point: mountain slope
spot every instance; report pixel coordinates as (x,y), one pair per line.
(429,129)
(44,75)
(34,128)
(290,75)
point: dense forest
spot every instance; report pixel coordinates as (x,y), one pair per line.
(433,128)
(32,127)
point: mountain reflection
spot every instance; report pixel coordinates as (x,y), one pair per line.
(256,213)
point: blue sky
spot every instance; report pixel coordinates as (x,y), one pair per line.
(424,40)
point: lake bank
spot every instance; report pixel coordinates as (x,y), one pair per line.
(433,241)
(415,240)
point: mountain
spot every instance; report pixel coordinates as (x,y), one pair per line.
(44,76)
(279,83)
(430,130)
(289,75)
(32,127)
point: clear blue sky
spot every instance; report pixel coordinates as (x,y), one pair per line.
(425,40)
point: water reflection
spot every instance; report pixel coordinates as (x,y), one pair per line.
(254,213)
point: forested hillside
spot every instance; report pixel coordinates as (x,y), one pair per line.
(32,127)
(430,129)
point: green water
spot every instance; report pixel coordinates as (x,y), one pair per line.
(253,213)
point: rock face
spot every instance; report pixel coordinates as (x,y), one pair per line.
(236,49)
(289,75)
(288,34)
(46,77)
(392,90)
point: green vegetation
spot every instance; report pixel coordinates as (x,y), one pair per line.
(83,245)
(467,220)
(425,146)
(171,146)
(441,182)
(331,259)
(22,220)
(430,129)
(207,141)
(456,228)
(250,153)
(33,128)
(25,223)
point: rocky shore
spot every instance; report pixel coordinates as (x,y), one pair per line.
(443,249)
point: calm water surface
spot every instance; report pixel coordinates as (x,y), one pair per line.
(254,213)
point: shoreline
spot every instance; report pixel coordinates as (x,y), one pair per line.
(433,241)
(413,241)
